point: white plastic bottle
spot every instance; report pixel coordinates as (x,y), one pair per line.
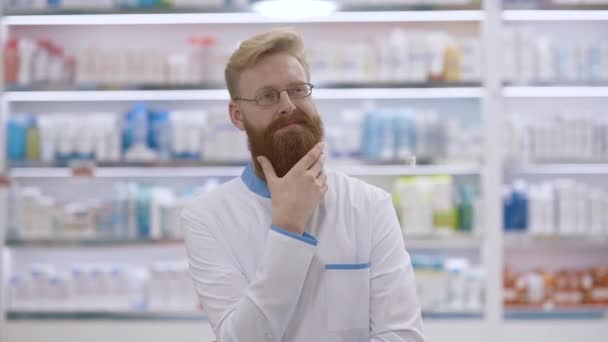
(596,202)
(548,209)
(77,288)
(535,217)
(18,293)
(58,292)
(27,49)
(48,137)
(456,268)
(474,290)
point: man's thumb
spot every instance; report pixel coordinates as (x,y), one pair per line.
(267,168)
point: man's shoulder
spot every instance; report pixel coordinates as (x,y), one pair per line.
(214,200)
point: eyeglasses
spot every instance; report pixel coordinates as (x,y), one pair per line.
(270,97)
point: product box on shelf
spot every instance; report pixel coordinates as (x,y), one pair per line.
(127,211)
(553,290)
(534,58)
(561,137)
(561,207)
(159,287)
(436,205)
(448,284)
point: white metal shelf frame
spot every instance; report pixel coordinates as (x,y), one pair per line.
(452,242)
(221,94)
(491,257)
(555,92)
(555,15)
(561,169)
(234,171)
(3,200)
(241,18)
(528,240)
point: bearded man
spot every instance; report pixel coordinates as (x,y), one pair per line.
(291,251)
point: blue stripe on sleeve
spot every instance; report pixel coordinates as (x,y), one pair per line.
(309,239)
(346,266)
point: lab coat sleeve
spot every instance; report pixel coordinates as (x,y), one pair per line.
(395,311)
(240,310)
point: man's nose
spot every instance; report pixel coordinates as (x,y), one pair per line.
(286,105)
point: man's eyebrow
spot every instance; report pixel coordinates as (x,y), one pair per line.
(264,88)
(271,87)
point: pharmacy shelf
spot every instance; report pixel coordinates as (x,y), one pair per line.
(404,170)
(222,95)
(560,169)
(117,95)
(555,15)
(104,315)
(73,10)
(89,243)
(234,8)
(526,240)
(412,243)
(241,18)
(147,316)
(450,242)
(234,171)
(130,172)
(400,93)
(559,314)
(452,315)
(555,91)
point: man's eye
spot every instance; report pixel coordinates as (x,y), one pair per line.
(269,96)
(299,90)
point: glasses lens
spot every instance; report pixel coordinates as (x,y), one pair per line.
(299,91)
(271,97)
(268,98)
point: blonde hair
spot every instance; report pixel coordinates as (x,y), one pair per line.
(252,50)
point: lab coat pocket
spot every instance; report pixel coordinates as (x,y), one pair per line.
(347,296)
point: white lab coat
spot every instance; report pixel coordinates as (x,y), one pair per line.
(349,278)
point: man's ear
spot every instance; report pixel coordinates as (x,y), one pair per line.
(236,116)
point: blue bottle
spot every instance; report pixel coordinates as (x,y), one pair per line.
(143,212)
(370,142)
(16,138)
(136,125)
(516,208)
(159,133)
(404,135)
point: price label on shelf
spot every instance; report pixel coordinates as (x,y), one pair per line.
(5,182)
(86,170)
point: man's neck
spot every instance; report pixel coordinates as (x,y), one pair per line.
(258,170)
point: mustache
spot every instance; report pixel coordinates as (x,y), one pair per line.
(297,117)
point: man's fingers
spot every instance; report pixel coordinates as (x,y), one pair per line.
(267,168)
(311,157)
(317,167)
(322,179)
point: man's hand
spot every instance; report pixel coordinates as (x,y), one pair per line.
(299,192)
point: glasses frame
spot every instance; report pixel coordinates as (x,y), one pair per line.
(278,92)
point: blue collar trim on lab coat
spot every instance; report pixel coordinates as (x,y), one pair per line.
(253,182)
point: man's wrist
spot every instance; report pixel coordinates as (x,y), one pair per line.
(289,226)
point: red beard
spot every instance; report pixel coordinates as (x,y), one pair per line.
(284,148)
